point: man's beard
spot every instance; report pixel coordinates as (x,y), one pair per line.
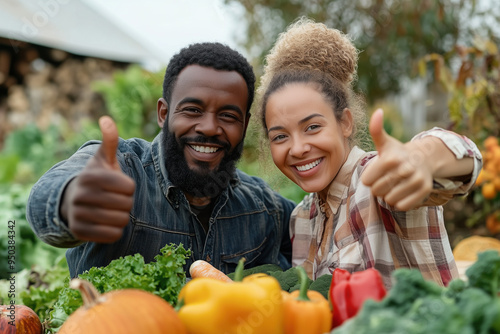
(202,182)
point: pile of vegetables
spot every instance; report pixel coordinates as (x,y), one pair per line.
(121,311)
(253,304)
(414,305)
(129,296)
(163,277)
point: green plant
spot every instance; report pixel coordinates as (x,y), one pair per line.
(474,110)
(28,249)
(473,96)
(131,99)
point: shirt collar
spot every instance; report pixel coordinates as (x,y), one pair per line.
(340,184)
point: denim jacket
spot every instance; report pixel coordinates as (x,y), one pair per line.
(249,219)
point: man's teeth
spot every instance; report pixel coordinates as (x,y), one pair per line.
(204,149)
(308,166)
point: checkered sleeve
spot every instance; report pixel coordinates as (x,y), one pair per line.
(461,147)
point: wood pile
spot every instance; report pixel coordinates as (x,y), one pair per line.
(48,86)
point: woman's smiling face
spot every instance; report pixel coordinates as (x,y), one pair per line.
(307,142)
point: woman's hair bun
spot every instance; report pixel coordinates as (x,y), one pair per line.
(308,45)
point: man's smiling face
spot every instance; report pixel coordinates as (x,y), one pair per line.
(204,124)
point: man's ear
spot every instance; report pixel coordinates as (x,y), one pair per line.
(162,111)
(347,123)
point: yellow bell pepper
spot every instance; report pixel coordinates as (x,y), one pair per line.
(251,306)
(306,311)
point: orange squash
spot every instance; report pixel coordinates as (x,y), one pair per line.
(124,311)
(19,319)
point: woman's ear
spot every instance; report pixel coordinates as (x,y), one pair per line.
(347,123)
(162,111)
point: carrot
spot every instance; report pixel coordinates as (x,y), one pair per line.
(201,268)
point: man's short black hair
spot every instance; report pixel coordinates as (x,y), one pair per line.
(213,55)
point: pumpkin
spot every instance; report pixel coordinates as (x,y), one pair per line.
(19,319)
(121,312)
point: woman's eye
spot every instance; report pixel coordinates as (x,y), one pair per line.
(312,127)
(278,138)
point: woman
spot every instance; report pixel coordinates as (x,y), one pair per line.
(366,209)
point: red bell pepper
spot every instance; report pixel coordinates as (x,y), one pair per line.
(349,291)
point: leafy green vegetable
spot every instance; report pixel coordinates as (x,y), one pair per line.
(322,284)
(288,279)
(44,286)
(415,306)
(409,288)
(485,272)
(163,277)
(29,249)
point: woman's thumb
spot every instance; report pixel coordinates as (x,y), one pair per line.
(377,131)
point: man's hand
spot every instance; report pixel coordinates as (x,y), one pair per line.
(97,203)
(401,174)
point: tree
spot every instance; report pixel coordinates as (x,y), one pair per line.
(392,35)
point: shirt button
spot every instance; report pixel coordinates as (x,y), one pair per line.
(208,258)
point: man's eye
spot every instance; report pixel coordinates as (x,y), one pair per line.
(230,116)
(191,110)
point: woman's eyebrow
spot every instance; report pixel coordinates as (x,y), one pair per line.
(275,128)
(305,119)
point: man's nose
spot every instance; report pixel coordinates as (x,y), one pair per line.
(209,125)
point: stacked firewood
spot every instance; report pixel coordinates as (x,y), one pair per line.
(48,86)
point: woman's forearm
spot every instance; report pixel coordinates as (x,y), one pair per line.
(441,160)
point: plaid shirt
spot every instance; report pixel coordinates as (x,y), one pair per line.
(355,230)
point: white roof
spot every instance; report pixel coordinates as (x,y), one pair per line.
(73,26)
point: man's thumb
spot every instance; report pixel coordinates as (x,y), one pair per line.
(379,136)
(109,131)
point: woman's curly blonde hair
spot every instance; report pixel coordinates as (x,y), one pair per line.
(308,46)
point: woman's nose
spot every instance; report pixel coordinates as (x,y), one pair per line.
(299,148)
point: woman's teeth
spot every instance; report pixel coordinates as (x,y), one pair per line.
(308,166)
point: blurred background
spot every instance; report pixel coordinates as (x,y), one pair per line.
(64,63)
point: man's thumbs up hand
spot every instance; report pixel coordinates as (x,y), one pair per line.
(107,151)
(399,174)
(97,203)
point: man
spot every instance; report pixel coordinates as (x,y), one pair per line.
(120,197)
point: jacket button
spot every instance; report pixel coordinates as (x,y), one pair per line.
(208,258)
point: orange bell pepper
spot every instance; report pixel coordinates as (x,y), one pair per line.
(306,311)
